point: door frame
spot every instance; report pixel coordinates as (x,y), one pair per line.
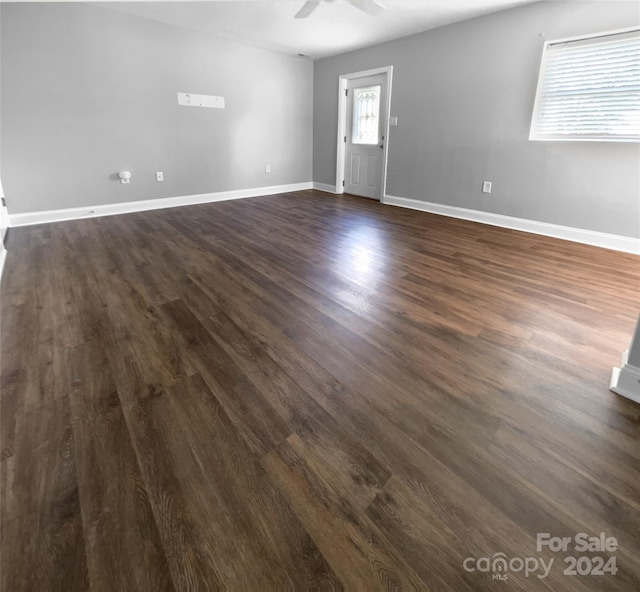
(343,79)
(4,228)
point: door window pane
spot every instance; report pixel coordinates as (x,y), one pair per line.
(366,115)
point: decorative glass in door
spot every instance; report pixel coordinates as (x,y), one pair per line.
(366,115)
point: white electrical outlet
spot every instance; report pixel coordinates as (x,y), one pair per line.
(267,168)
(159,176)
(486,187)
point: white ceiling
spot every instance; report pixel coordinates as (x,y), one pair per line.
(334,27)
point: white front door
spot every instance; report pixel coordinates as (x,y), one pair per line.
(366,125)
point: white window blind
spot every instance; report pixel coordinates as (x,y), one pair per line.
(589,89)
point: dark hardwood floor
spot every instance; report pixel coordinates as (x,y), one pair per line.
(311,392)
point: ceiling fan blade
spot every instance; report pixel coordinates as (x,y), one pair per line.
(307,9)
(371,7)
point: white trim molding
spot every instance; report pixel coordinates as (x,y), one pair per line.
(325,187)
(3,258)
(589,237)
(45,217)
(625,381)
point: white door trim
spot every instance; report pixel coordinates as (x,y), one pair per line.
(342,124)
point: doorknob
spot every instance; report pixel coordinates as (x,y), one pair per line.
(381,146)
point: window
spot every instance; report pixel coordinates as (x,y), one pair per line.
(366,115)
(589,89)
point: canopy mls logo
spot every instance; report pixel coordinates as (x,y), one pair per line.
(500,566)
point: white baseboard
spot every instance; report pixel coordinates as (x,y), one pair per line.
(325,187)
(625,381)
(44,217)
(578,235)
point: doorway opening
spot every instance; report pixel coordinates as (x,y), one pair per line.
(364,102)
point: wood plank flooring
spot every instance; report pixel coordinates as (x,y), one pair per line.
(311,392)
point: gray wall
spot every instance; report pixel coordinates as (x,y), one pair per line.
(87,92)
(464,96)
